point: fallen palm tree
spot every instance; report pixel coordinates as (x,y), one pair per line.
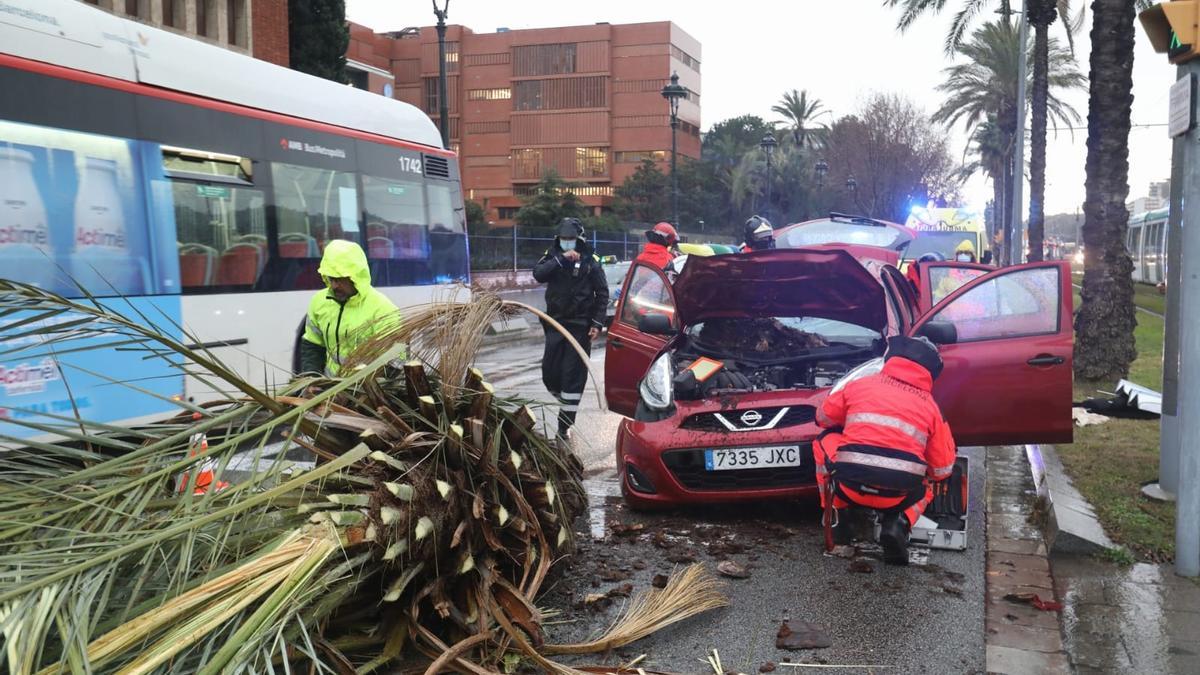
(418,536)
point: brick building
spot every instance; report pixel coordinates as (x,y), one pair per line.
(255,27)
(583,100)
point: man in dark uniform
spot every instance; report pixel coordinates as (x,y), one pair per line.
(576,297)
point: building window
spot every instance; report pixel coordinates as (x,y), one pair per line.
(591,162)
(235,17)
(508,212)
(684,58)
(208,24)
(554,59)
(138,9)
(501,94)
(639,156)
(359,79)
(637,86)
(575,92)
(431,95)
(570,163)
(640,121)
(591,190)
(174,13)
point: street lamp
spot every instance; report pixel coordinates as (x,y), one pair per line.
(443,102)
(820,169)
(852,186)
(768,144)
(674,93)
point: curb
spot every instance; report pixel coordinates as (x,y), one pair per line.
(1019,639)
(1071,526)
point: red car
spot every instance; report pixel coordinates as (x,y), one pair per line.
(720,375)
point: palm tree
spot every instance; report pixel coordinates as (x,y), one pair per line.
(915,9)
(991,146)
(1104,344)
(984,85)
(798,113)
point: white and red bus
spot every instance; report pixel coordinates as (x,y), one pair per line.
(202,184)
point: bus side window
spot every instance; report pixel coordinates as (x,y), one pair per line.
(220,220)
(396,219)
(313,207)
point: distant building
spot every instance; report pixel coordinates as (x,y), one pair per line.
(255,27)
(1159,198)
(583,101)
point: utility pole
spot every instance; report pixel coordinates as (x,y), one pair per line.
(443,101)
(1016,212)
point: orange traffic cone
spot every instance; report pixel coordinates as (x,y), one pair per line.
(204,479)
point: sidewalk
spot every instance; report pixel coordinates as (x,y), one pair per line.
(1137,619)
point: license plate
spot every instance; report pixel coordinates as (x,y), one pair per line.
(752,458)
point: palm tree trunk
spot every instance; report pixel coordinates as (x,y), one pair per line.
(1037,159)
(1104,345)
(998,212)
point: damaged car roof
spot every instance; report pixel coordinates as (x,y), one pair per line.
(820,282)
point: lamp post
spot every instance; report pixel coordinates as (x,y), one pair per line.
(443,102)
(852,186)
(768,144)
(820,169)
(674,93)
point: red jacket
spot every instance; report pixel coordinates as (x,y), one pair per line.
(914,277)
(655,254)
(892,434)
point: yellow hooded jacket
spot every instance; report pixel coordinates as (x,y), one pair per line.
(340,328)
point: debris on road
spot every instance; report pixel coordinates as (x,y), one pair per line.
(768,667)
(861,566)
(733,570)
(801,635)
(659,581)
(1034,600)
(1083,418)
(631,530)
(845,551)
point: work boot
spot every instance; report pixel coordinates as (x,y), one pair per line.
(843,532)
(893,537)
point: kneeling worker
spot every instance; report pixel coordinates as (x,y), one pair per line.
(885,439)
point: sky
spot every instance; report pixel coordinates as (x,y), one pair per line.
(838,50)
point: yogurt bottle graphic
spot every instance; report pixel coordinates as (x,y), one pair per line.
(102,259)
(26,253)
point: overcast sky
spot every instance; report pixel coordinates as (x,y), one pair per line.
(754,50)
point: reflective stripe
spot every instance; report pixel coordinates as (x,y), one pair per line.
(822,418)
(943,471)
(312,325)
(571,397)
(889,421)
(821,470)
(880,462)
(569,408)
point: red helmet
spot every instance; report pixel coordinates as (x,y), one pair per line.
(663,233)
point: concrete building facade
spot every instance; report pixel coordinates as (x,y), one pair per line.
(583,101)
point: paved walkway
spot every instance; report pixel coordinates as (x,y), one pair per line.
(1136,619)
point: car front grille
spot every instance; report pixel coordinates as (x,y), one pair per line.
(795,415)
(688,468)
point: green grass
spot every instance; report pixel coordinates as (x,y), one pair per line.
(1144,295)
(1110,462)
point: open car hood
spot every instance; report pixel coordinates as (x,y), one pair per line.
(827,283)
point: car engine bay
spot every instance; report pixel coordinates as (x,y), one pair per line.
(762,354)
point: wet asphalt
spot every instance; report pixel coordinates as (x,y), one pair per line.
(918,619)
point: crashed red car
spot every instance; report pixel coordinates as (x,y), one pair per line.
(789,325)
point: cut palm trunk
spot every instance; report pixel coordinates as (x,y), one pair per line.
(426,524)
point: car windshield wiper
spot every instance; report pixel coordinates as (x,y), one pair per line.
(857,220)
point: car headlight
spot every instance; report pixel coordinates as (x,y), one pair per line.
(656,389)
(858,372)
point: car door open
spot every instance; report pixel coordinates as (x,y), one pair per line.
(1007,376)
(644,322)
(940,279)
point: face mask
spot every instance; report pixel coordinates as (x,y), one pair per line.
(567,244)
(963,257)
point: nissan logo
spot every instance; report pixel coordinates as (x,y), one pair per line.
(751,418)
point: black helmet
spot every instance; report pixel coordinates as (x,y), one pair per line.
(932,257)
(570,228)
(918,350)
(758,233)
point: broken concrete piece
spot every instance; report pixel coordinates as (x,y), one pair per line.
(1083,418)
(861,567)
(659,581)
(801,635)
(768,667)
(733,570)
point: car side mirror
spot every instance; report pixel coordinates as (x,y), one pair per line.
(655,324)
(939,332)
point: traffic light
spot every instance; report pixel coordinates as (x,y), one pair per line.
(1174,29)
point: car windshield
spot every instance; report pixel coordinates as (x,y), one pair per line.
(616,273)
(938,242)
(842,232)
(771,336)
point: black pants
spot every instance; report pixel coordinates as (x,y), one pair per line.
(564,373)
